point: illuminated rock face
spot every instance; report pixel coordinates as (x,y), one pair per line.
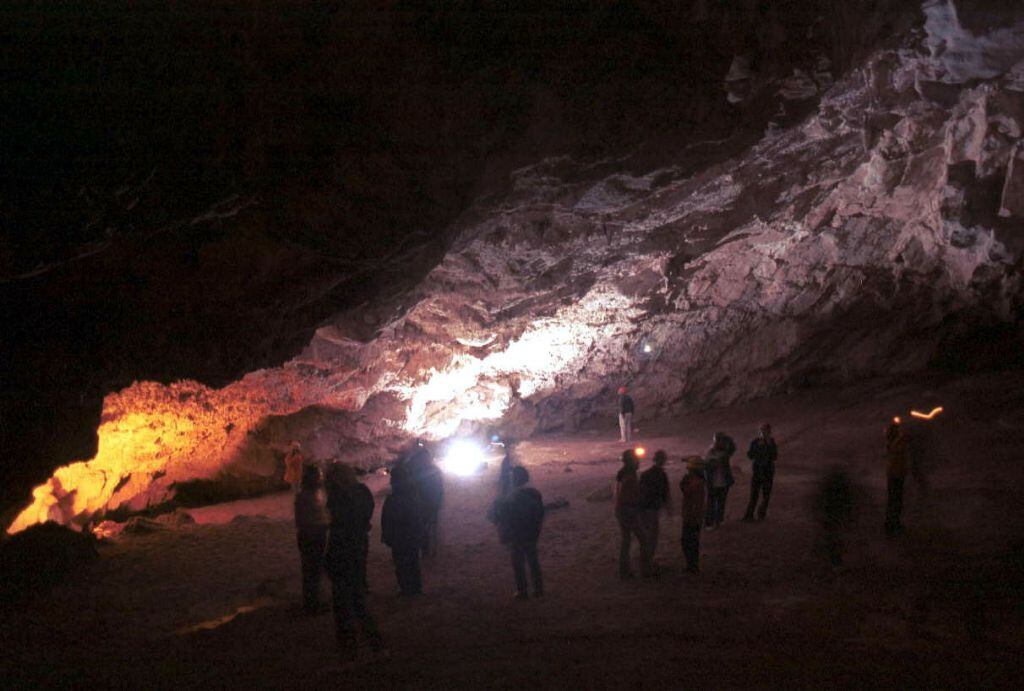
(845,247)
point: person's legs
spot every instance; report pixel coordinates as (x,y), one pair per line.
(723,495)
(519,569)
(344,631)
(894,506)
(629,426)
(716,506)
(622,427)
(401,560)
(766,494)
(366,620)
(710,510)
(648,538)
(755,488)
(414,574)
(430,535)
(311,553)
(535,574)
(626,533)
(691,546)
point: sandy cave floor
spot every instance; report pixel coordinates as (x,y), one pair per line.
(941,606)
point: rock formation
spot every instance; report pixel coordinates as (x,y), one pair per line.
(870,237)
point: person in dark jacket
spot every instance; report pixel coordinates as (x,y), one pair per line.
(311,532)
(350,505)
(627,509)
(519,518)
(762,453)
(401,522)
(694,499)
(429,487)
(626,409)
(718,476)
(897,464)
(654,497)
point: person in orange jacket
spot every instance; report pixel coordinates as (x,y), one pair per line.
(293,462)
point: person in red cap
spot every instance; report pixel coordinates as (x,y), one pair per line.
(625,415)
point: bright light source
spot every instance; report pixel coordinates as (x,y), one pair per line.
(463,457)
(926,416)
(647,347)
(897,420)
(640,452)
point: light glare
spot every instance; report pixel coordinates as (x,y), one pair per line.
(463,458)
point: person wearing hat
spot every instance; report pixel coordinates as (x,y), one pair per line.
(694,498)
(762,453)
(654,496)
(626,409)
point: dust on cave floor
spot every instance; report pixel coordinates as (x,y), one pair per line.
(941,605)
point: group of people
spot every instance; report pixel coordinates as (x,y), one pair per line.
(641,497)
(333,513)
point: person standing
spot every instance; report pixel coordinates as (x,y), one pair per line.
(896,457)
(350,505)
(519,518)
(429,487)
(654,496)
(626,409)
(293,462)
(762,453)
(694,495)
(311,532)
(401,523)
(627,508)
(718,476)
(505,471)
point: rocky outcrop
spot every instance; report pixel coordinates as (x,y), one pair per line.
(864,240)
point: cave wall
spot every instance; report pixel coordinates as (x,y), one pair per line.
(869,238)
(190,188)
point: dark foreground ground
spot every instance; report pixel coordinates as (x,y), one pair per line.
(941,606)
